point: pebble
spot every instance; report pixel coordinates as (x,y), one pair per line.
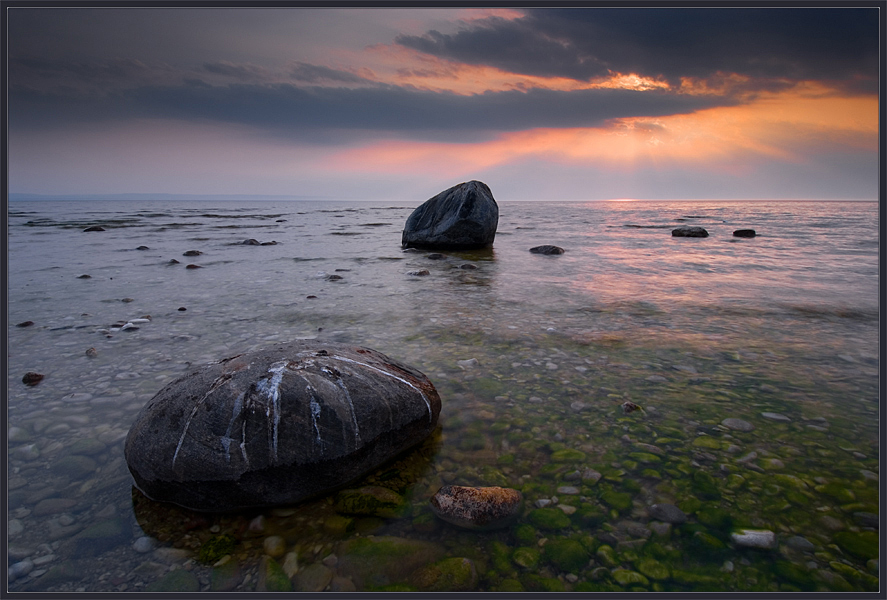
(92,352)
(668,513)
(419,273)
(32,378)
(14,528)
(775,416)
(568,490)
(800,543)
(20,569)
(467,364)
(567,509)
(25,324)
(657,379)
(754,538)
(477,508)
(291,564)
(143,544)
(685,369)
(737,424)
(542,502)
(257,524)
(591,475)
(274,546)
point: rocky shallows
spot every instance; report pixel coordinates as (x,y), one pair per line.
(463,217)
(277,426)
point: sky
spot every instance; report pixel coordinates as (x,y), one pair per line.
(388,103)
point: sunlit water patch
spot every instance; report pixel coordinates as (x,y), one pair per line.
(534,358)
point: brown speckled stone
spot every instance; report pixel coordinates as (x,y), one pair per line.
(478,508)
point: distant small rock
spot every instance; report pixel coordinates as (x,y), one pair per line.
(250,242)
(468,267)
(193,267)
(182,309)
(271,243)
(435,256)
(419,273)
(94,228)
(192,253)
(31,378)
(84,276)
(173,261)
(91,352)
(744,233)
(667,513)
(477,508)
(142,248)
(754,538)
(698,232)
(737,424)
(775,416)
(547,249)
(25,324)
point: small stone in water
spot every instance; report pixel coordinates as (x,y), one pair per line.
(568,490)
(274,546)
(182,309)
(668,513)
(737,424)
(84,276)
(25,324)
(466,364)
(143,545)
(754,538)
(774,416)
(92,352)
(31,378)
(477,508)
(20,569)
(193,267)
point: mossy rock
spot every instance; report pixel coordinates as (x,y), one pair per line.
(215,548)
(690,578)
(625,577)
(863,544)
(526,557)
(606,555)
(505,459)
(704,486)
(653,569)
(567,455)
(179,580)
(715,518)
(473,441)
(338,525)
(706,441)
(535,583)
(617,500)
(836,490)
(568,555)
(384,560)
(549,518)
(273,579)
(796,574)
(509,585)
(589,515)
(225,578)
(500,556)
(457,574)
(371,500)
(525,533)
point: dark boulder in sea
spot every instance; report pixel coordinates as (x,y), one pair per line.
(251,242)
(277,426)
(31,378)
(547,249)
(461,218)
(744,233)
(94,228)
(192,253)
(698,232)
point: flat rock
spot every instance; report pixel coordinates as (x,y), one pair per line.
(697,232)
(463,217)
(754,538)
(277,426)
(737,424)
(775,416)
(667,513)
(477,508)
(744,233)
(547,249)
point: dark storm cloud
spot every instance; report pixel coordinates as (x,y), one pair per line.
(792,43)
(301,71)
(287,110)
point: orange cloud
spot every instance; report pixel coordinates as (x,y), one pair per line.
(779,126)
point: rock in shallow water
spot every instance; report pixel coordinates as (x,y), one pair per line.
(463,217)
(277,426)
(478,508)
(685,231)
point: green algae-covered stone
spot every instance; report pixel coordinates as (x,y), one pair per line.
(567,455)
(706,441)
(525,533)
(626,577)
(383,560)
(510,585)
(225,577)
(272,578)
(215,548)
(618,500)
(526,557)
(715,518)
(370,500)
(566,554)
(448,575)
(606,555)
(645,457)
(535,583)
(653,569)
(549,518)
(863,544)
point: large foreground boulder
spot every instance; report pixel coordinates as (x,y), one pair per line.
(277,426)
(460,218)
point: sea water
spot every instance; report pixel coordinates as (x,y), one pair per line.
(531,354)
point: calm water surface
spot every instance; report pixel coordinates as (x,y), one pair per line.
(532,355)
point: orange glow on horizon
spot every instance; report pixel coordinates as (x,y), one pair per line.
(779,126)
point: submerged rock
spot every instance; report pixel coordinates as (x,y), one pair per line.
(667,513)
(754,538)
(95,228)
(478,508)
(277,426)
(31,378)
(547,249)
(698,232)
(744,233)
(463,217)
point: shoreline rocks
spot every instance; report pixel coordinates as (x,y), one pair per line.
(463,217)
(277,426)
